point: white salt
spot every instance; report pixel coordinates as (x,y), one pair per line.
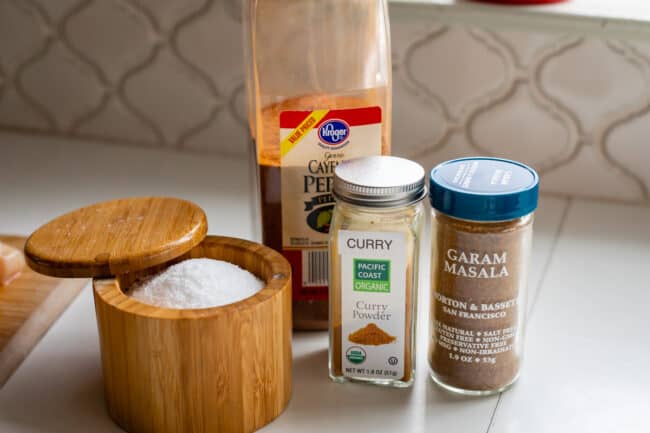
(197,283)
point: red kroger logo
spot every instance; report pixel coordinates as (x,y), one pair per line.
(334,133)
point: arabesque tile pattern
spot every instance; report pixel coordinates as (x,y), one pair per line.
(169,73)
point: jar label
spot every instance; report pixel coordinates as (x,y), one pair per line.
(476,306)
(312,144)
(373,297)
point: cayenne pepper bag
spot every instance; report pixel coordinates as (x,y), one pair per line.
(319,88)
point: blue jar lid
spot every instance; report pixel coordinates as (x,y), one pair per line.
(484,189)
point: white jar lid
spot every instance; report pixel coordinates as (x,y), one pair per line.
(379,181)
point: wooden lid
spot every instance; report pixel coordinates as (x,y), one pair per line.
(116,237)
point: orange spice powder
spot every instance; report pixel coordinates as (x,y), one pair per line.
(371,335)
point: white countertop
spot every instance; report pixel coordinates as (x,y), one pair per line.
(587,353)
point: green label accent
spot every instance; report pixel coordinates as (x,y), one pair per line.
(356,355)
(371,275)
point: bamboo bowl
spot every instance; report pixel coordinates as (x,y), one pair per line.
(220,370)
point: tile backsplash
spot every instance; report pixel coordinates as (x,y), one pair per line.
(168,73)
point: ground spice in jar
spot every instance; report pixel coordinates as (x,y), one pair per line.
(482,234)
(374,246)
(371,335)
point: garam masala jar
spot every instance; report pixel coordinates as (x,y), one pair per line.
(319,87)
(374,249)
(483,219)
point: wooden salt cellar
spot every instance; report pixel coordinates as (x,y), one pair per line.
(225,369)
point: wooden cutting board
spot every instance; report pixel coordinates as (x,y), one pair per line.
(29,305)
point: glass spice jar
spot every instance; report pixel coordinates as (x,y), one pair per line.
(374,248)
(483,218)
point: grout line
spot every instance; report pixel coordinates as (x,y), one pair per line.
(494,412)
(546,267)
(596,199)
(107,142)
(549,259)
